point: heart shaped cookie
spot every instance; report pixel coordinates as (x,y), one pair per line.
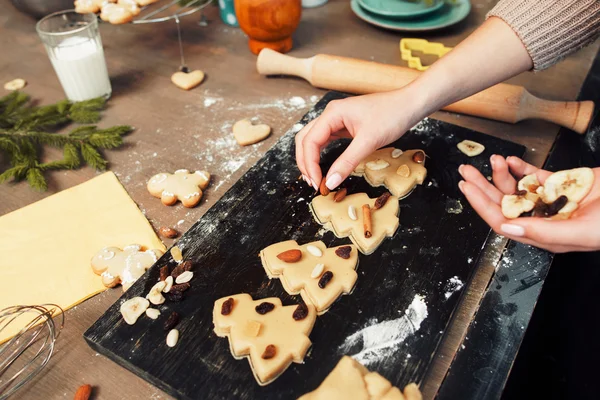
(188,80)
(245,133)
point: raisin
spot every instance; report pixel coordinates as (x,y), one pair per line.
(521,192)
(419,157)
(343,252)
(325,278)
(557,205)
(179,288)
(540,209)
(300,312)
(269,352)
(381,200)
(172,321)
(164,272)
(175,297)
(187,265)
(178,270)
(264,307)
(227,306)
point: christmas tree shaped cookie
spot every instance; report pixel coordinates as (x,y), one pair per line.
(269,334)
(350,380)
(319,274)
(364,220)
(399,171)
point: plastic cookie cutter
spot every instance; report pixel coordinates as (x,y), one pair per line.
(407,46)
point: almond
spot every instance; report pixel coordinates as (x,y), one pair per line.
(290,256)
(83,393)
(167,232)
(340,195)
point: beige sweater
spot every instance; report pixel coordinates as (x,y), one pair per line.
(551,29)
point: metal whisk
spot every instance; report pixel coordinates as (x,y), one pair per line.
(28,352)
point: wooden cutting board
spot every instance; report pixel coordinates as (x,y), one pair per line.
(434,250)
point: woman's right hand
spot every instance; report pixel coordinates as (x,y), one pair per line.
(371,121)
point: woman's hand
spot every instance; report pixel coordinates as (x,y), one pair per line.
(581,232)
(372,121)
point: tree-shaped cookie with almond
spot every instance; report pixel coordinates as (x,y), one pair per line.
(399,171)
(367,222)
(320,275)
(270,335)
(183,185)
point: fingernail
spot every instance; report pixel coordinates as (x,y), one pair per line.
(460,168)
(492,160)
(314,185)
(513,230)
(460,186)
(333,181)
(305,179)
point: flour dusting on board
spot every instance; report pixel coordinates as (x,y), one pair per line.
(453,285)
(379,340)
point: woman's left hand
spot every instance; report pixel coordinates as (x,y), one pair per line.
(581,232)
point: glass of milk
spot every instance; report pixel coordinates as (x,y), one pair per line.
(74,46)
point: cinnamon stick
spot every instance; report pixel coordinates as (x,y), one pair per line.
(367,222)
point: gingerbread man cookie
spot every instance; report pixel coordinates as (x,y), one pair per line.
(399,171)
(364,220)
(271,335)
(123,266)
(350,380)
(182,185)
(319,274)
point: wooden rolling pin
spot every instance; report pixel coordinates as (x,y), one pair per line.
(503,102)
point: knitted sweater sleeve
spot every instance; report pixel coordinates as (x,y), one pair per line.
(551,29)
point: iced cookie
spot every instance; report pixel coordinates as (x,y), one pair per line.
(399,171)
(270,335)
(349,380)
(182,185)
(123,266)
(364,220)
(319,274)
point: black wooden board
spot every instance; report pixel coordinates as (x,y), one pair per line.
(440,237)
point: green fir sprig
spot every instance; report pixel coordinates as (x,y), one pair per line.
(25,129)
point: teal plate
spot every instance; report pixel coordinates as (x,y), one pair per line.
(448,15)
(399,8)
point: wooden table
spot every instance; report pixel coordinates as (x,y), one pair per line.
(177,129)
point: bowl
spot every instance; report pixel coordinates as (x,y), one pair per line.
(41,8)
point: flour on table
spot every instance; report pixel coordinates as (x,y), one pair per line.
(453,206)
(378,341)
(454,284)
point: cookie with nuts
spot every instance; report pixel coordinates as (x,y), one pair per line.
(183,186)
(270,335)
(123,266)
(399,171)
(320,274)
(366,221)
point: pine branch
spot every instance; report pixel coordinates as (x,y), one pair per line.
(25,130)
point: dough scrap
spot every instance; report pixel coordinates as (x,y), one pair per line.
(335,216)
(246,134)
(350,380)
(187,80)
(182,185)
(123,266)
(277,327)
(297,277)
(393,176)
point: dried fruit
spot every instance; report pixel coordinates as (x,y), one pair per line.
(15,84)
(181,268)
(290,256)
(168,233)
(168,284)
(172,337)
(419,157)
(317,271)
(133,308)
(343,252)
(403,171)
(340,195)
(574,183)
(172,321)
(83,393)
(155,295)
(187,265)
(514,205)
(227,306)
(325,278)
(269,352)
(544,210)
(153,313)
(180,288)
(381,200)
(314,250)
(377,165)
(252,328)
(367,221)
(164,273)
(300,312)
(470,148)
(176,253)
(185,277)
(396,153)
(352,212)
(323,188)
(264,307)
